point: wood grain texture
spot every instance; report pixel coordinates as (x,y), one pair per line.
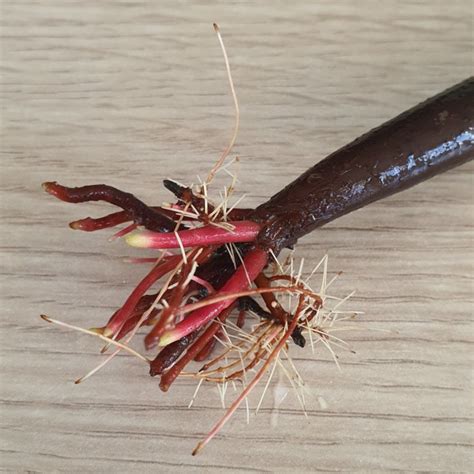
(129,92)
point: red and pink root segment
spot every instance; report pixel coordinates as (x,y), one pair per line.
(253,264)
(243,231)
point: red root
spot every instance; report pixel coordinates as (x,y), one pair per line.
(244,231)
(205,352)
(143,305)
(254,262)
(91,224)
(139,212)
(169,376)
(176,297)
(170,354)
(126,310)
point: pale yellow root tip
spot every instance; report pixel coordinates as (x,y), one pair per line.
(137,239)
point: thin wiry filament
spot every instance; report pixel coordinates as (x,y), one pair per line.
(226,152)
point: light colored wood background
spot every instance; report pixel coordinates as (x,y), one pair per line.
(130,92)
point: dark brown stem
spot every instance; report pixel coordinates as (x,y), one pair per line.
(428,139)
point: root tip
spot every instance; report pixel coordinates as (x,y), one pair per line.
(216,29)
(100,331)
(137,239)
(51,187)
(47,185)
(75,225)
(197,449)
(167,338)
(176,188)
(45,318)
(86,224)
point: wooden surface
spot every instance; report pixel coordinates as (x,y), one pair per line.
(130,92)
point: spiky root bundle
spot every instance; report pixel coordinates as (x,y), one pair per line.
(208,264)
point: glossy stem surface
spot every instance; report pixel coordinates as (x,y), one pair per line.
(428,139)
